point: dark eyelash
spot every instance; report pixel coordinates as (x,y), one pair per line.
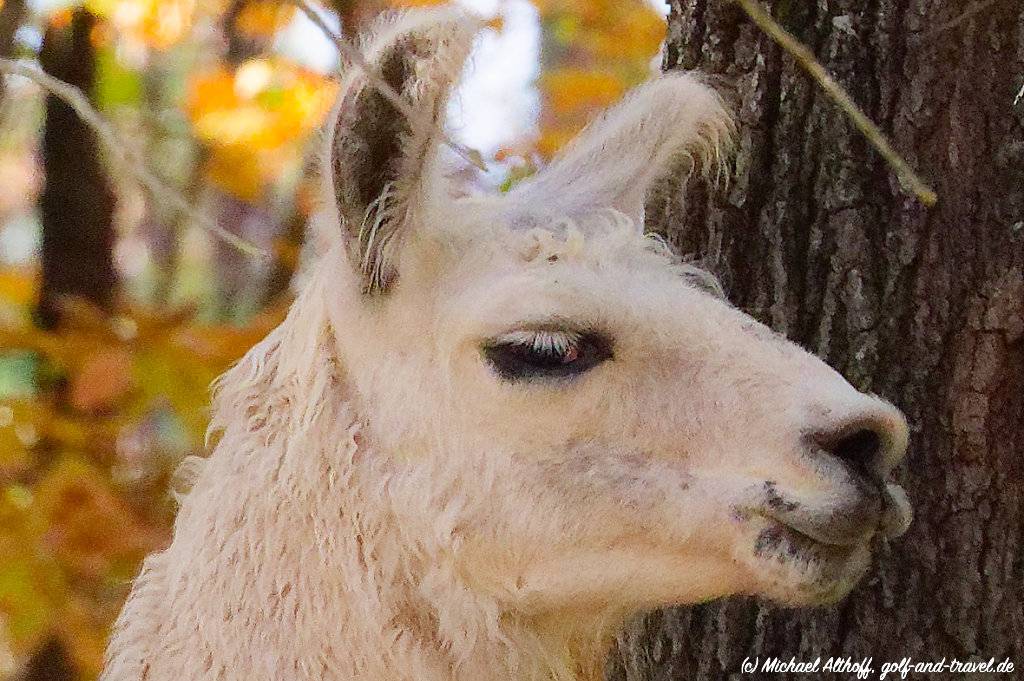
(546,354)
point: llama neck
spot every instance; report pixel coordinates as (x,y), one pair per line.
(442,640)
(454,635)
(419,619)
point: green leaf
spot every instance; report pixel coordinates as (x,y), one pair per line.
(116,85)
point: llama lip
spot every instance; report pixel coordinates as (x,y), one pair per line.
(847,525)
(851,520)
(876,509)
(795,569)
(784,542)
(898,513)
(812,534)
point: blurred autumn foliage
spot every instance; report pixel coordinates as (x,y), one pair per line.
(98,408)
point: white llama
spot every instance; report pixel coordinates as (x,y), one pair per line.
(492,428)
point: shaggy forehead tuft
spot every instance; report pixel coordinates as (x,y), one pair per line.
(604,235)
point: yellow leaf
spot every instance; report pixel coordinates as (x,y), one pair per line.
(31,591)
(14,451)
(646,31)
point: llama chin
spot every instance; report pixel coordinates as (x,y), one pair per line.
(492,428)
(794,569)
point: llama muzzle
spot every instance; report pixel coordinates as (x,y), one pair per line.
(854,500)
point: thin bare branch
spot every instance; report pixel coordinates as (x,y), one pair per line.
(908,178)
(353,55)
(121,150)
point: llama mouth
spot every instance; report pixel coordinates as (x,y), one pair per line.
(816,557)
(878,509)
(775,541)
(781,540)
(795,569)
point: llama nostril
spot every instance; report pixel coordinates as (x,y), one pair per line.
(870,439)
(858,449)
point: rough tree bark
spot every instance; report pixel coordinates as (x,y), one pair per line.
(924,307)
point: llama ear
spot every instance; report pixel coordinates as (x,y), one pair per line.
(383,162)
(617,158)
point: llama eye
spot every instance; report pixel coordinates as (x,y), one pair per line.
(542,354)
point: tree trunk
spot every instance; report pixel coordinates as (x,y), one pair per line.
(77,204)
(922,306)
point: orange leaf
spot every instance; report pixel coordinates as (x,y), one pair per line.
(264,18)
(89,526)
(256,119)
(571,89)
(18,286)
(104,379)
(157,23)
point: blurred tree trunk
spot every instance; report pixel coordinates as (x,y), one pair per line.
(287,248)
(924,307)
(50,662)
(76,204)
(12,14)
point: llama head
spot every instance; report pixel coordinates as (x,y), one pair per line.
(577,420)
